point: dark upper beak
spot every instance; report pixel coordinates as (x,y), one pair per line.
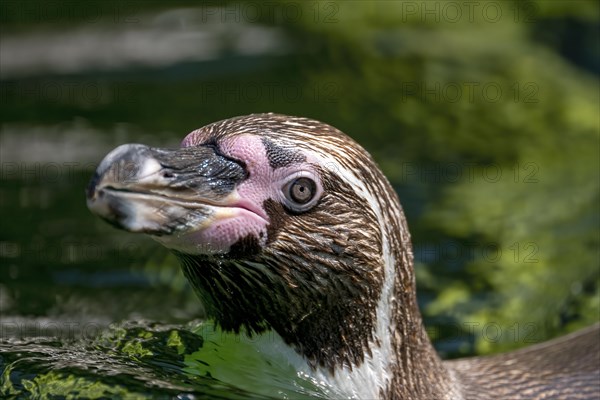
(159,191)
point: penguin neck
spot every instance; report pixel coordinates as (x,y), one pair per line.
(417,371)
(400,361)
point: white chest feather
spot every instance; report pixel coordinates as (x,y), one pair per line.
(265,365)
(363,382)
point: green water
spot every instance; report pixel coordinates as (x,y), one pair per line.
(485,121)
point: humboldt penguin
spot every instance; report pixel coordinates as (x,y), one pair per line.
(285,224)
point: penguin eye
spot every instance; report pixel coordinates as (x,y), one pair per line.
(302,190)
(299,193)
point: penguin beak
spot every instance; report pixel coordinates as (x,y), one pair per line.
(160,191)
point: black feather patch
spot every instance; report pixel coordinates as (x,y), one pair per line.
(280,156)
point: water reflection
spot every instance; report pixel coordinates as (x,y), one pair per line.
(150,39)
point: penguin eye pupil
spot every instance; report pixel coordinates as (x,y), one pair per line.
(302,190)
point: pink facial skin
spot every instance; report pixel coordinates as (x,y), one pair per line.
(244,214)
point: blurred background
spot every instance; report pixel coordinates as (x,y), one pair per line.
(484,115)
